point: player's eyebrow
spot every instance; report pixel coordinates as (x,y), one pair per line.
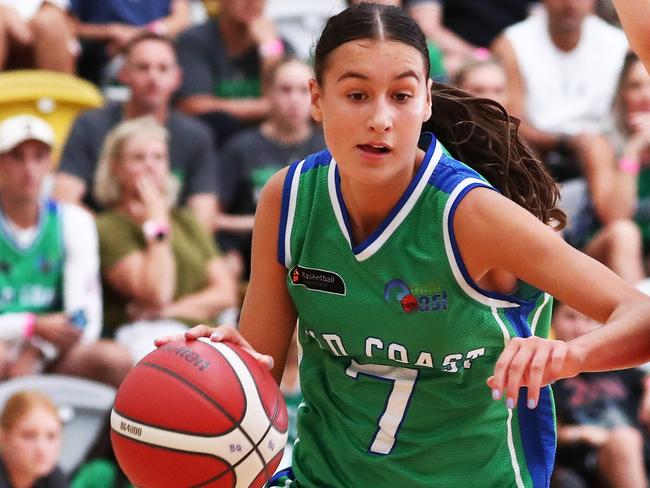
(361,76)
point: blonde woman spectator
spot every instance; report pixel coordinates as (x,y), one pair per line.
(36,34)
(160,267)
(30,441)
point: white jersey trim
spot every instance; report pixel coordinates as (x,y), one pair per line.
(511,445)
(291,213)
(538,313)
(403,212)
(451,256)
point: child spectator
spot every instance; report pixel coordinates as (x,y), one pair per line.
(30,441)
(159,265)
(50,303)
(250,158)
(484,78)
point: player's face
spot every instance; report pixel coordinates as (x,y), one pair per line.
(152,74)
(374,97)
(568,15)
(23,169)
(32,444)
(487,81)
(636,90)
(289,95)
(142,155)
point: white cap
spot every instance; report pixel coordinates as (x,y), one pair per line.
(21,128)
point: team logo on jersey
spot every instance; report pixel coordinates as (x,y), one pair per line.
(317,280)
(420,299)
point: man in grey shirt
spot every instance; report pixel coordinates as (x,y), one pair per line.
(152,74)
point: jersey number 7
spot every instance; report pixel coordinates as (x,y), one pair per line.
(390,421)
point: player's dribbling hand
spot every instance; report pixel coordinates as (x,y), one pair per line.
(218,334)
(533,362)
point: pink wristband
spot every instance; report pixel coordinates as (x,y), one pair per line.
(270,49)
(30,325)
(629,166)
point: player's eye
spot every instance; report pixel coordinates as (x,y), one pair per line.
(402,97)
(357,96)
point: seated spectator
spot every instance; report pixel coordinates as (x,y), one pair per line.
(50,303)
(562,68)
(151,73)
(599,431)
(465,28)
(223,61)
(30,442)
(106,27)
(618,187)
(36,34)
(252,157)
(436,64)
(484,78)
(632,141)
(160,267)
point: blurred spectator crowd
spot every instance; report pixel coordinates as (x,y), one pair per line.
(131,218)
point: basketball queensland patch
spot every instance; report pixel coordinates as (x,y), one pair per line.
(317,280)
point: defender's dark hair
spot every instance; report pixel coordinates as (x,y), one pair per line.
(477,131)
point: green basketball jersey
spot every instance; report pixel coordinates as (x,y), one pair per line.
(398,341)
(31,279)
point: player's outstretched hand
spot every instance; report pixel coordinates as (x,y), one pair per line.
(218,334)
(533,362)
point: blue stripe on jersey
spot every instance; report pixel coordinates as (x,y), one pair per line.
(395,210)
(538,436)
(459,260)
(284,211)
(322,158)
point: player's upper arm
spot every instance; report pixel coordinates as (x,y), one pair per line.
(493,232)
(268,316)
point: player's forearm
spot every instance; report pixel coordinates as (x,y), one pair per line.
(178,20)
(96,32)
(203,305)
(635,17)
(158,274)
(623,342)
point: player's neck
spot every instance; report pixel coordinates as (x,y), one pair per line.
(132,109)
(21,213)
(565,42)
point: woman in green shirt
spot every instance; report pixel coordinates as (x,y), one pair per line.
(160,267)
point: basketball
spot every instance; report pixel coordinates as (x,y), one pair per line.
(199,413)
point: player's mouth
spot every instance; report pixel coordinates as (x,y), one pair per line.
(375,148)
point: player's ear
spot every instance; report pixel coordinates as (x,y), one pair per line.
(315,94)
(427,108)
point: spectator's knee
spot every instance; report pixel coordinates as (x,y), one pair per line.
(109,361)
(48,20)
(624,439)
(624,232)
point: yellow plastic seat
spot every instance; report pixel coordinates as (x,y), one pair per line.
(55,97)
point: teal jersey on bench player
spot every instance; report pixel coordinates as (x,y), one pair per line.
(397,342)
(31,279)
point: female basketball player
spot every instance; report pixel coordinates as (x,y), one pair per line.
(408,273)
